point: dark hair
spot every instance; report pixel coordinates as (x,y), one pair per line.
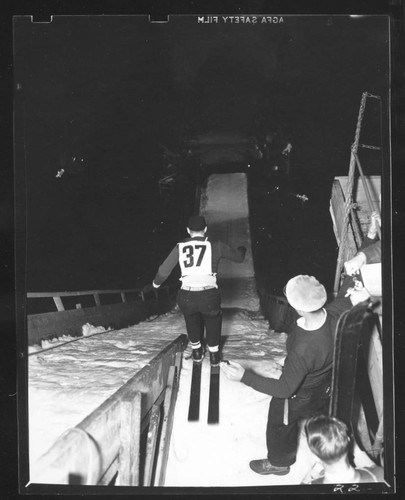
(328,437)
(196,223)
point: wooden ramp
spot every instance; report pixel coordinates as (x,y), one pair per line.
(107,446)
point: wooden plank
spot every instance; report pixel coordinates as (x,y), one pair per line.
(178,361)
(103,424)
(58,303)
(359,197)
(120,315)
(37,295)
(151,445)
(359,194)
(171,393)
(130,436)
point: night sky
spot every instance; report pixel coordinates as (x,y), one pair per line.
(109,91)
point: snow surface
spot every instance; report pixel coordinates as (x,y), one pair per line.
(68,382)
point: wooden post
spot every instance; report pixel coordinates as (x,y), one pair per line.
(151,445)
(97,299)
(123,297)
(58,303)
(130,435)
(178,360)
(170,398)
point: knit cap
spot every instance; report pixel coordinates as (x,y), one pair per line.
(305,293)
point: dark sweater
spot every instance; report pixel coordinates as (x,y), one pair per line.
(308,363)
(372,252)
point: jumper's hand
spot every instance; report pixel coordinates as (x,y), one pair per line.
(233,370)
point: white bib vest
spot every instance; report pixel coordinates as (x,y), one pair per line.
(195,259)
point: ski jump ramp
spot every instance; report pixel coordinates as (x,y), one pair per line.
(224,204)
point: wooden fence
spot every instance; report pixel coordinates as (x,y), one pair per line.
(124,313)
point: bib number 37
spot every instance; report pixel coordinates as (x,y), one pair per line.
(193,255)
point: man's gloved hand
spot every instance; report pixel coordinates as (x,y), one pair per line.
(242,250)
(354,265)
(148,288)
(357,293)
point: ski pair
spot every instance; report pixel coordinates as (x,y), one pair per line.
(213,401)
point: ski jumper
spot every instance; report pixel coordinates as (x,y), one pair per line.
(199,298)
(304,385)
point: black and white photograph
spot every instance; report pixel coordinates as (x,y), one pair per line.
(203,253)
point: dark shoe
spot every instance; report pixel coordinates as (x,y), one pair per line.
(198,355)
(264,467)
(215,358)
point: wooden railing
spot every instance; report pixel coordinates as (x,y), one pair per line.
(56,296)
(120,314)
(106,448)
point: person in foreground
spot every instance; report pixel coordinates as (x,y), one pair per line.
(304,385)
(199,298)
(329,439)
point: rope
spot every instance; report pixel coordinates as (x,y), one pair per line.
(349,193)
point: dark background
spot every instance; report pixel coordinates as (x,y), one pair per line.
(109,91)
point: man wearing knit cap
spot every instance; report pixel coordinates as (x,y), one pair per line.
(304,385)
(199,298)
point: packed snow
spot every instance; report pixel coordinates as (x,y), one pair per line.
(70,380)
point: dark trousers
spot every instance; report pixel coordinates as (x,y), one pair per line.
(282,440)
(202,309)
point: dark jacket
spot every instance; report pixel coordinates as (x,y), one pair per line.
(372,252)
(308,364)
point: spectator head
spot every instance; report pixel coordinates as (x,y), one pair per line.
(305,293)
(196,224)
(328,438)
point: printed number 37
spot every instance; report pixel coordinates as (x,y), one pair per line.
(189,251)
